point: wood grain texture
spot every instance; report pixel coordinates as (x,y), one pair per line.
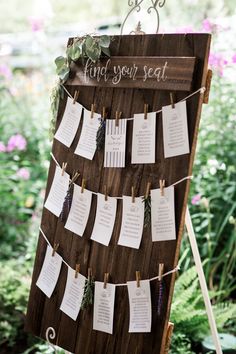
(158,73)
(121,262)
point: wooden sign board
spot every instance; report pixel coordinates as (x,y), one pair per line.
(160,73)
(121,262)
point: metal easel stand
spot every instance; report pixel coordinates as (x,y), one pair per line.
(202,281)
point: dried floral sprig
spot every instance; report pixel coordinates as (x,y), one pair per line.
(88,293)
(100,137)
(147,210)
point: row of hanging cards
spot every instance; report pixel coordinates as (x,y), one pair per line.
(162,213)
(175,134)
(104,296)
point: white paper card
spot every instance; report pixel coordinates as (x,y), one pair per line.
(103,313)
(69,123)
(73,294)
(105,219)
(144,138)
(115,143)
(57,192)
(79,211)
(50,272)
(87,142)
(175,130)
(163,214)
(132,222)
(140,307)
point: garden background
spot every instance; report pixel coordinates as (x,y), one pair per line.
(32,35)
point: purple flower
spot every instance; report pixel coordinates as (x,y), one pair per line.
(5,71)
(196,199)
(217,62)
(16,142)
(234,58)
(2,147)
(23,173)
(36,23)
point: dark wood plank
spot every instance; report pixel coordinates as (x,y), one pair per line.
(121,262)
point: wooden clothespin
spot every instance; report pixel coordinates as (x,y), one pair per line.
(74,177)
(132,194)
(64,165)
(138,278)
(118,115)
(148,190)
(160,271)
(92,110)
(104,113)
(105,193)
(77,270)
(170,329)
(172,100)
(83,185)
(76,95)
(55,248)
(89,273)
(106,277)
(145,110)
(162,186)
(207,86)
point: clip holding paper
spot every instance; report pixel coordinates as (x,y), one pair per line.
(89,273)
(162,186)
(138,278)
(118,115)
(145,110)
(172,100)
(83,185)
(160,271)
(105,195)
(55,248)
(77,270)
(103,113)
(92,110)
(148,190)
(74,177)
(64,165)
(106,277)
(76,95)
(133,195)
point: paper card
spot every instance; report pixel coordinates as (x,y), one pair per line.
(105,219)
(73,294)
(79,211)
(87,143)
(163,214)
(50,271)
(132,222)
(140,306)
(144,138)
(57,192)
(103,313)
(115,143)
(69,123)
(175,130)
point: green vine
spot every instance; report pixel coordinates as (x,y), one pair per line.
(85,47)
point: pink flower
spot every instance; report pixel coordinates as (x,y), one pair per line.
(2,147)
(196,199)
(5,71)
(217,62)
(23,173)
(36,23)
(234,58)
(16,142)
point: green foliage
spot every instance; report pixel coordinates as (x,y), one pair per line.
(189,315)
(88,293)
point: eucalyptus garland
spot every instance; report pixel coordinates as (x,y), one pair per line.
(147,210)
(85,47)
(88,293)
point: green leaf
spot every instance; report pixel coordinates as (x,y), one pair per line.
(89,42)
(105,41)
(63,72)
(106,51)
(74,52)
(60,62)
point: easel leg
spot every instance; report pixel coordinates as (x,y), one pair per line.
(202,281)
